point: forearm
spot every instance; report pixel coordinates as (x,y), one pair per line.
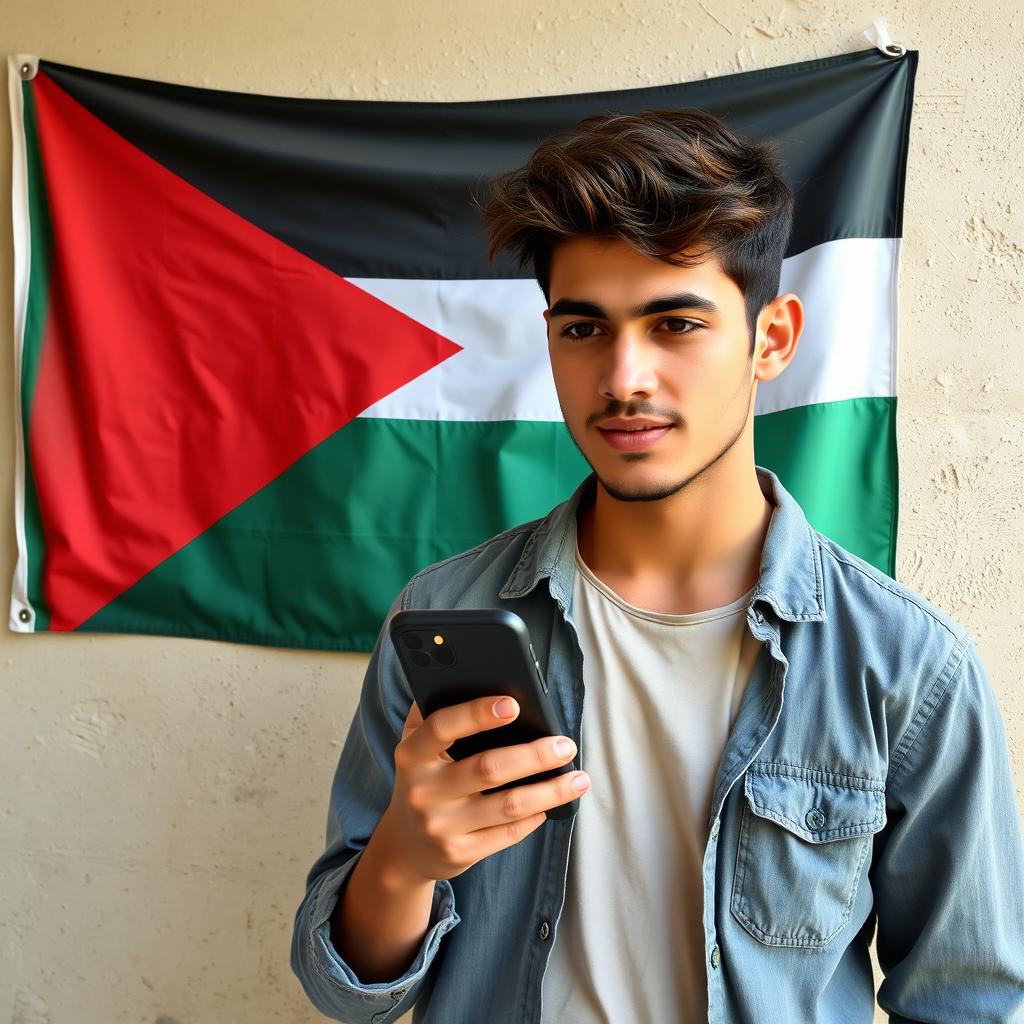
(382,915)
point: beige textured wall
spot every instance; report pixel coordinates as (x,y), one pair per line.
(162,799)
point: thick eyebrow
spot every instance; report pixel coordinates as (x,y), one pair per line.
(664,304)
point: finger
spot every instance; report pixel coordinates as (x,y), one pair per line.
(517,811)
(445,725)
(501,837)
(499,765)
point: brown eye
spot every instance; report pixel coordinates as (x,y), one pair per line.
(691,324)
(566,332)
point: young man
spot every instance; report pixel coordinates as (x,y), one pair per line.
(786,749)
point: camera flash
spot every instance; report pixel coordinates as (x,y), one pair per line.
(438,639)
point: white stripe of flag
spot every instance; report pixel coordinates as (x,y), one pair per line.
(847,349)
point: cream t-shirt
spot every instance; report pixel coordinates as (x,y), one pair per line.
(662,692)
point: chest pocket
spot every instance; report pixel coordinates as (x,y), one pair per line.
(803,839)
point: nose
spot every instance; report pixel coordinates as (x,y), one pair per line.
(630,370)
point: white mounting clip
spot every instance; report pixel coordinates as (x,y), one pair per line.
(879,35)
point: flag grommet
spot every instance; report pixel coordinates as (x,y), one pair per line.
(25,615)
(27,70)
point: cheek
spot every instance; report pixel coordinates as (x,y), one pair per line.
(572,392)
(700,371)
(571,375)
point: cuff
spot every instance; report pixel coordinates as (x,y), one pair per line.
(334,970)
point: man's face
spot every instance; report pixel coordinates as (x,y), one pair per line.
(673,363)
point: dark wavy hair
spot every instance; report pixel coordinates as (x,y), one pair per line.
(662,180)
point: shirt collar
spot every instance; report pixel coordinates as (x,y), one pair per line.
(789,579)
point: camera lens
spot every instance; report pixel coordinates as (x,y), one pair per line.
(412,641)
(444,656)
(419,658)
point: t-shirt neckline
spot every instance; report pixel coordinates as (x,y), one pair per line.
(679,619)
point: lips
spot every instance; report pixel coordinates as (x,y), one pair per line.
(635,423)
(634,439)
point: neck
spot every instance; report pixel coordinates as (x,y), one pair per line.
(696,550)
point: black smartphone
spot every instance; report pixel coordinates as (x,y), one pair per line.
(451,655)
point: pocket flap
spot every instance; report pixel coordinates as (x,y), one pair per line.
(816,805)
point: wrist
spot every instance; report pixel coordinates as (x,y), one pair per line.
(393,873)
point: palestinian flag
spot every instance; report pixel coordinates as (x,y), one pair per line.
(265,373)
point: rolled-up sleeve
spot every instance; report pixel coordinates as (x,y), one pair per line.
(361,790)
(948,875)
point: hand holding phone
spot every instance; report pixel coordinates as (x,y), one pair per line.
(439,812)
(452,655)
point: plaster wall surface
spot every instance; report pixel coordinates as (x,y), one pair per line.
(163,798)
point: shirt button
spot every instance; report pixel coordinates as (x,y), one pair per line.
(815,818)
(716,957)
(714,829)
(759,615)
(544,930)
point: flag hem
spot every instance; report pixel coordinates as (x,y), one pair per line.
(895,520)
(22,237)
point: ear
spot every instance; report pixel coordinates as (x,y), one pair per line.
(779,327)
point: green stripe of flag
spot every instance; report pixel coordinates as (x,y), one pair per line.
(310,559)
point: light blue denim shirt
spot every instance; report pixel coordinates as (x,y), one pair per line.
(865,784)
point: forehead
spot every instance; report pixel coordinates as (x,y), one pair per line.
(586,267)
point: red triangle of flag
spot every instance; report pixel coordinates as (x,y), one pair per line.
(188,359)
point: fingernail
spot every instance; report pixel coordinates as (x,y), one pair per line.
(580,782)
(505,707)
(563,748)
